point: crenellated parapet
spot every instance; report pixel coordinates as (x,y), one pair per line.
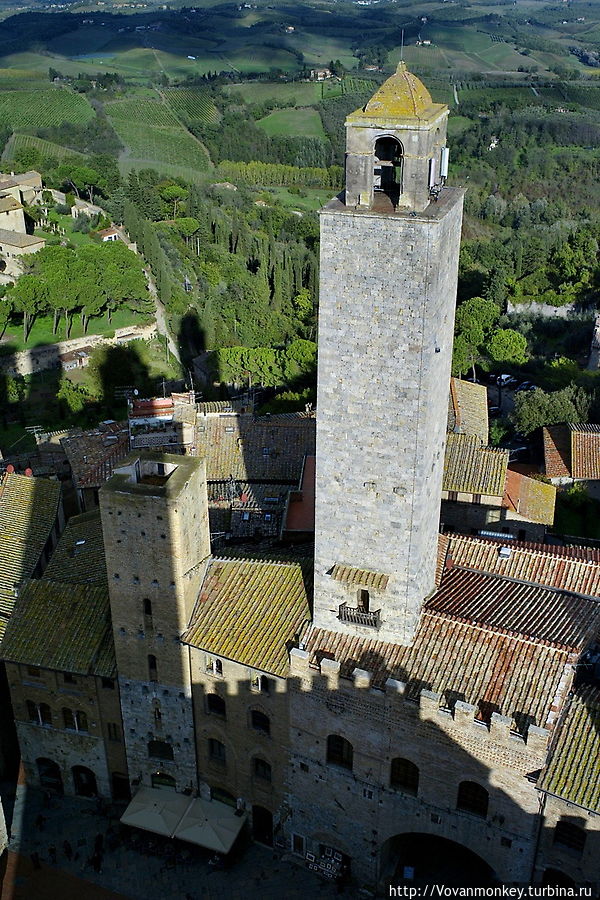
(355,696)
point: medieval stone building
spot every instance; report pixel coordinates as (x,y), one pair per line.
(431,705)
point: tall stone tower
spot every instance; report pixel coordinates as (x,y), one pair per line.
(389,261)
(154,512)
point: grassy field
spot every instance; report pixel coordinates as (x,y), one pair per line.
(41,333)
(308,200)
(39,109)
(151,132)
(297,93)
(27,142)
(304,122)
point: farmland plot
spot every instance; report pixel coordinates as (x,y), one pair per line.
(41,109)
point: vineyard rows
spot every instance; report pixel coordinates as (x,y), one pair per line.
(29,142)
(192,105)
(42,109)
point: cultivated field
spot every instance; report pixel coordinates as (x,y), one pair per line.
(302,122)
(192,105)
(40,109)
(151,132)
(29,142)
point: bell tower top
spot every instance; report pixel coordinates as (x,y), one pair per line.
(396,156)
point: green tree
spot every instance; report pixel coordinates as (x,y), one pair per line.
(73,398)
(29,297)
(173,193)
(508,346)
(535,409)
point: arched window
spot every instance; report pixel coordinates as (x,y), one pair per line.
(147,607)
(45,714)
(472,798)
(68,718)
(404,775)
(49,775)
(216,751)
(261,769)
(152,668)
(81,722)
(32,712)
(160,750)
(215,705)
(339,751)
(84,781)
(568,835)
(388,171)
(260,722)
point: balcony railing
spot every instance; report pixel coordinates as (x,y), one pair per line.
(353,616)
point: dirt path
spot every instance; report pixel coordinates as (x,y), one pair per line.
(161,321)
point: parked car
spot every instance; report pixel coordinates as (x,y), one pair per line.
(519,454)
(526,386)
(494,411)
(506,381)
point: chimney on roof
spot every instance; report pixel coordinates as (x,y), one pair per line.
(449,564)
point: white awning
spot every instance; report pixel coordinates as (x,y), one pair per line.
(155,810)
(208,823)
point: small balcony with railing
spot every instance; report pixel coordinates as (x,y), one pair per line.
(352,615)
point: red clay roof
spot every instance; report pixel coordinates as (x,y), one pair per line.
(532,499)
(557,451)
(575,569)
(585,451)
(534,613)
(301,507)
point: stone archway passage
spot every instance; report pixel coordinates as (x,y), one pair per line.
(422,859)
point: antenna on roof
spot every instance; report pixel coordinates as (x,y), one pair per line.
(402,45)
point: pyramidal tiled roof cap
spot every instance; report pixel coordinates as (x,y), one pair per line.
(403,96)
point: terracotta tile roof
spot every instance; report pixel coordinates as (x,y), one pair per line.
(28,511)
(585,451)
(270,448)
(575,569)
(502,646)
(300,514)
(251,611)
(93,454)
(573,770)
(557,451)
(472,468)
(61,626)
(79,555)
(349,575)
(531,612)
(467,409)
(532,499)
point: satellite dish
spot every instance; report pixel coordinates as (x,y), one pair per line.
(135,392)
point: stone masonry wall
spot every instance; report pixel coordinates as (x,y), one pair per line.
(358,812)
(388,288)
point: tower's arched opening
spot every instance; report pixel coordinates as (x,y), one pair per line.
(388,166)
(421,859)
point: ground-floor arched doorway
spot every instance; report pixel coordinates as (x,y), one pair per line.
(120,787)
(262,825)
(555,878)
(84,781)
(421,859)
(49,775)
